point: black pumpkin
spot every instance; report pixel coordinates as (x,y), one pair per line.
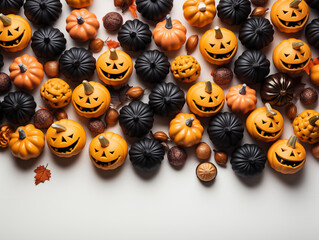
(152,66)
(313,4)
(252,67)
(18,107)
(154,10)
(48,42)
(167,99)
(147,154)
(134,35)
(248,160)
(136,119)
(225,130)
(42,12)
(233,12)
(10,6)
(256,33)
(1,61)
(1,112)
(277,90)
(77,64)
(312,32)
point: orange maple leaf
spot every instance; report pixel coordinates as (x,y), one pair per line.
(312,63)
(133,9)
(42,174)
(112,44)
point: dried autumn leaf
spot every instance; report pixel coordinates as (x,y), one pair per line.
(312,63)
(112,44)
(133,9)
(42,174)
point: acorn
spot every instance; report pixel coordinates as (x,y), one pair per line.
(220,157)
(135,93)
(60,114)
(315,150)
(96,45)
(111,117)
(51,69)
(160,136)
(291,111)
(203,151)
(191,43)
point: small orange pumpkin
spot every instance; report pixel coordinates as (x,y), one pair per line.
(314,74)
(306,126)
(185,68)
(241,99)
(79,3)
(199,13)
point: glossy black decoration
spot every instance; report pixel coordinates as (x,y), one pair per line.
(18,107)
(147,154)
(152,66)
(1,112)
(248,160)
(134,35)
(136,119)
(1,61)
(312,32)
(166,99)
(313,4)
(252,67)
(42,12)
(77,64)
(10,6)
(233,12)
(256,33)
(48,42)
(154,10)
(225,130)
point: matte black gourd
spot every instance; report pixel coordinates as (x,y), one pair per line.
(154,10)
(312,32)
(233,12)
(10,6)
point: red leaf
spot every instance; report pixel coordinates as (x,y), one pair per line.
(42,174)
(133,9)
(112,44)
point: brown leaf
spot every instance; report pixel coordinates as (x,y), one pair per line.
(42,174)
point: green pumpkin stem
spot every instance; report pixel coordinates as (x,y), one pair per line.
(218,33)
(80,19)
(22,134)
(202,7)
(169,24)
(295,3)
(269,111)
(242,91)
(208,87)
(88,88)
(113,54)
(292,141)
(58,127)
(313,120)
(297,45)
(103,141)
(189,122)
(22,67)
(5,20)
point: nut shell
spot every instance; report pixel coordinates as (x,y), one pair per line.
(291,111)
(111,117)
(5,135)
(206,172)
(220,157)
(51,69)
(60,114)
(5,83)
(309,96)
(203,151)
(191,44)
(315,150)
(43,119)
(135,93)
(96,126)
(160,136)
(96,45)
(222,76)
(112,21)
(177,156)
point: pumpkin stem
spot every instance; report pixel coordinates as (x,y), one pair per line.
(208,87)
(88,88)
(269,111)
(189,122)
(292,141)
(202,7)
(297,45)
(313,120)
(113,54)
(218,34)
(22,134)
(6,21)
(242,91)
(295,3)
(58,127)
(80,19)
(22,67)
(103,141)
(168,24)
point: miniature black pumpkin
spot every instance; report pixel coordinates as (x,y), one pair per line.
(136,119)
(1,61)
(277,90)
(312,32)
(77,64)
(225,130)
(313,4)
(152,66)
(42,12)
(252,67)
(233,12)
(248,160)
(1,112)
(18,107)
(154,10)
(167,99)
(256,33)
(134,35)
(10,6)
(147,154)
(48,42)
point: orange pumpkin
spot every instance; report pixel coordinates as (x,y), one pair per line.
(79,3)
(306,126)
(26,72)
(241,99)
(199,13)
(314,74)
(82,25)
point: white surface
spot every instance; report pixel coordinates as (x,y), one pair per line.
(81,202)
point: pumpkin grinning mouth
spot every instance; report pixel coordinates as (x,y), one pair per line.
(12,42)
(292,23)
(220,56)
(68,149)
(266,134)
(115,76)
(83,109)
(287,162)
(103,164)
(295,66)
(207,109)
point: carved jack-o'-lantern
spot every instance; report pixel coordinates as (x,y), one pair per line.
(218,46)
(114,67)
(91,99)
(287,156)
(291,56)
(185,68)
(205,99)
(108,151)
(66,138)
(306,126)
(265,124)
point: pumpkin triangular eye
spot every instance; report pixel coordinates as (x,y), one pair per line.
(63,139)
(285,12)
(222,46)
(17,29)
(302,54)
(277,123)
(70,136)
(212,45)
(263,122)
(216,97)
(53,139)
(300,10)
(296,57)
(1,32)
(210,99)
(96,150)
(103,154)
(271,125)
(112,152)
(201,98)
(287,55)
(95,99)
(121,64)
(88,101)
(80,97)
(299,154)
(283,150)
(228,42)
(108,64)
(292,154)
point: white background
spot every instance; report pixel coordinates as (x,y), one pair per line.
(82,202)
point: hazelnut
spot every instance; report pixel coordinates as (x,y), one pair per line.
(5,83)
(96,126)
(111,117)
(220,157)
(61,114)
(309,96)
(176,156)
(51,68)
(43,119)
(191,43)
(135,93)
(259,2)
(222,76)
(259,12)
(206,172)
(203,151)
(291,111)
(5,135)
(96,45)
(315,150)
(112,21)
(160,136)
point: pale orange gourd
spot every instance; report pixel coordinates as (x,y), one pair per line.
(199,13)
(241,99)
(314,74)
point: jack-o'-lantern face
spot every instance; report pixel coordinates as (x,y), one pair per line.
(66,138)
(205,99)
(218,46)
(185,68)
(108,151)
(91,99)
(15,33)
(114,67)
(287,156)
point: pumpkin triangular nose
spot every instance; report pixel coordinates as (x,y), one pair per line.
(210,99)
(9,33)
(88,101)
(296,57)
(63,139)
(293,14)
(114,66)
(222,46)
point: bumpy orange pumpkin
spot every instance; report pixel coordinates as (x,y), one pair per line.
(15,33)
(265,124)
(185,68)
(314,74)
(306,126)
(170,34)
(108,151)
(205,99)
(287,156)
(26,72)
(185,130)
(199,13)
(27,142)
(79,3)
(82,25)
(241,99)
